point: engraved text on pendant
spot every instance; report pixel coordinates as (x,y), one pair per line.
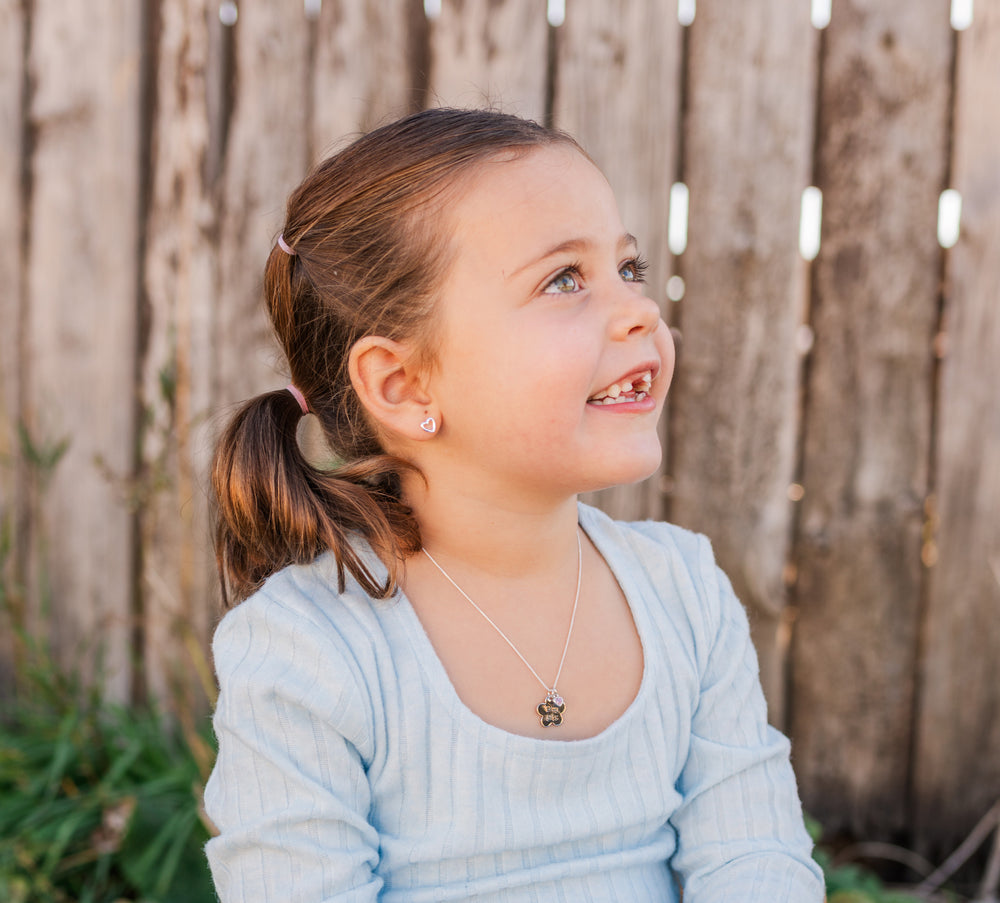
(550,711)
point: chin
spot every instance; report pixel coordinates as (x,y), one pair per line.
(626,473)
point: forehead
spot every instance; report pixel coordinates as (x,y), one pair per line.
(510,207)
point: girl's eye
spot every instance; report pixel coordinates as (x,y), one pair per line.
(634,270)
(566,282)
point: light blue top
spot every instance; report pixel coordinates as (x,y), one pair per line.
(350,770)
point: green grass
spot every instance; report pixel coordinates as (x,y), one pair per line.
(98,803)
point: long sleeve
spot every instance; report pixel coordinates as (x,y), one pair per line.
(289,793)
(740,830)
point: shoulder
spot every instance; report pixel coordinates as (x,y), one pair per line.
(298,609)
(659,546)
(298,641)
(651,536)
(679,566)
(300,599)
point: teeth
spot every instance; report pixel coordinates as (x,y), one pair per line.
(621,392)
(621,399)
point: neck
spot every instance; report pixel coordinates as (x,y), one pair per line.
(500,538)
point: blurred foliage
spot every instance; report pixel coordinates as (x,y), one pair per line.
(853,883)
(98,803)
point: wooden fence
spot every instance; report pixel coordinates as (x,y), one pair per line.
(834,425)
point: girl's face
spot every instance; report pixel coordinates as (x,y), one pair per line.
(541,316)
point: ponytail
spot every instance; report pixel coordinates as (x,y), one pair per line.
(274,508)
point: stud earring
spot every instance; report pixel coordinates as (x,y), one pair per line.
(429,425)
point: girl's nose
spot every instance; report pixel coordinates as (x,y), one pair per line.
(635,314)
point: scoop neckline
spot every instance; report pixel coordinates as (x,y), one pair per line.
(440,683)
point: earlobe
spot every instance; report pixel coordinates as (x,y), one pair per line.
(389,383)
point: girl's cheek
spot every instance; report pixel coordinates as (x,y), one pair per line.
(668,357)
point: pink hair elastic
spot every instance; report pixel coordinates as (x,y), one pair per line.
(299,397)
(284,246)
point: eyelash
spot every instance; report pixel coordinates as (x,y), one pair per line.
(638,265)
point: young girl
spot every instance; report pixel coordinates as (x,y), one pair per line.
(449,680)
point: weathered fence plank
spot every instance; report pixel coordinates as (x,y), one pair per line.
(881,164)
(82,280)
(615,63)
(266,156)
(356,91)
(957,775)
(485,53)
(11,280)
(748,156)
(177,585)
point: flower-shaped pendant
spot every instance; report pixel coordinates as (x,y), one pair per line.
(550,711)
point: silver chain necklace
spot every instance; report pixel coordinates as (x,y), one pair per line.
(550,710)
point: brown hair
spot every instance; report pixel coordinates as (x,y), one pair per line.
(366,262)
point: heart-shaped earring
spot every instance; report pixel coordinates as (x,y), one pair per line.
(429,426)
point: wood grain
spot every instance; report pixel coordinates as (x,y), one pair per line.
(178,589)
(618,93)
(267,155)
(735,414)
(883,138)
(82,283)
(957,774)
(362,76)
(490,54)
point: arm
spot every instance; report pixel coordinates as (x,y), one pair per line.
(741,836)
(289,792)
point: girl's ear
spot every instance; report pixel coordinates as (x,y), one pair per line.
(390,385)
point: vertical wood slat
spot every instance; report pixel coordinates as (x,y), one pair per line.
(362,76)
(485,53)
(748,156)
(11,276)
(882,162)
(616,63)
(957,774)
(177,585)
(267,155)
(81,276)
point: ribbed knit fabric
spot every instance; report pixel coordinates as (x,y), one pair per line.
(349,769)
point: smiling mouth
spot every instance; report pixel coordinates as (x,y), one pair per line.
(632,388)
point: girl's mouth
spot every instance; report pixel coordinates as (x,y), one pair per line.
(631,388)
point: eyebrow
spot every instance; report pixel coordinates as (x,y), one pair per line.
(627,240)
